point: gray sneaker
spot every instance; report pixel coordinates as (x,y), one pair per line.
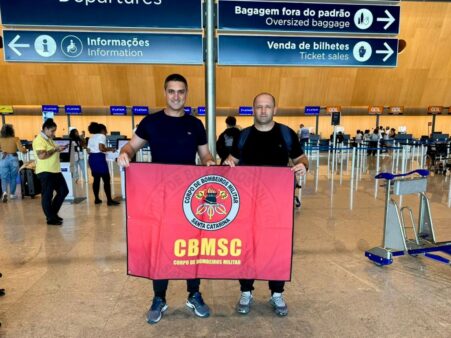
(278,304)
(196,303)
(156,310)
(5,197)
(244,304)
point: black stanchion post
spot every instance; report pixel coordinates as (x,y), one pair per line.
(433,123)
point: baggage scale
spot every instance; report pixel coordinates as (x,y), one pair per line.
(396,241)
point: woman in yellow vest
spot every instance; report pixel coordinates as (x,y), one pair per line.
(48,170)
(9,162)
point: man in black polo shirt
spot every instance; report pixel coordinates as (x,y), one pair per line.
(272,144)
(175,138)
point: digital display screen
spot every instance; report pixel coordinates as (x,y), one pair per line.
(65,143)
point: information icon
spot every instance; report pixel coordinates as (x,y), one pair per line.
(363,18)
(71,46)
(362,51)
(45,45)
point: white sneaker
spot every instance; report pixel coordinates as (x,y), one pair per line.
(278,304)
(12,197)
(244,304)
(5,197)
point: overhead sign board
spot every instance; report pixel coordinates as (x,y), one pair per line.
(333,109)
(98,47)
(140,110)
(201,111)
(375,110)
(6,110)
(434,110)
(312,110)
(396,110)
(307,51)
(118,110)
(72,110)
(163,14)
(50,108)
(245,111)
(308,17)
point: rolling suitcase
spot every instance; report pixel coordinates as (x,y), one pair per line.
(29,183)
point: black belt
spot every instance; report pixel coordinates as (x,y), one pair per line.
(12,154)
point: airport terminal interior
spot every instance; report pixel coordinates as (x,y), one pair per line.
(71,280)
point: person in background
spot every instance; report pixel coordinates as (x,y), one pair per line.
(48,170)
(303,135)
(225,140)
(358,137)
(97,162)
(366,136)
(387,133)
(381,132)
(373,142)
(77,151)
(9,162)
(392,133)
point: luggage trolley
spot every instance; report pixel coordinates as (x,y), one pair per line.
(395,241)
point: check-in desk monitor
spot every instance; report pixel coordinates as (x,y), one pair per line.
(403,137)
(67,166)
(121,143)
(439,137)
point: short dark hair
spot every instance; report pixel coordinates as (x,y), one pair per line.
(7,131)
(94,128)
(231,121)
(49,124)
(175,77)
(264,93)
(72,134)
(102,127)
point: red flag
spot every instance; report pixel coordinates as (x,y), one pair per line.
(217,222)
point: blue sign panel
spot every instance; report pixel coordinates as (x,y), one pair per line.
(201,111)
(50,108)
(98,47)
(246,111)
(308,17)
(306,51)
(312,110)
(72,110)
(140,110)
(167,14)
(188,110)
(118,110)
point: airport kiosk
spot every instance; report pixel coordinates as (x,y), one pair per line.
(66,160)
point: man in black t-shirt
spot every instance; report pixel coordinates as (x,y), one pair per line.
(271,144)
(174,137)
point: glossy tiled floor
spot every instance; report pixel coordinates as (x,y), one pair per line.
(71,281)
